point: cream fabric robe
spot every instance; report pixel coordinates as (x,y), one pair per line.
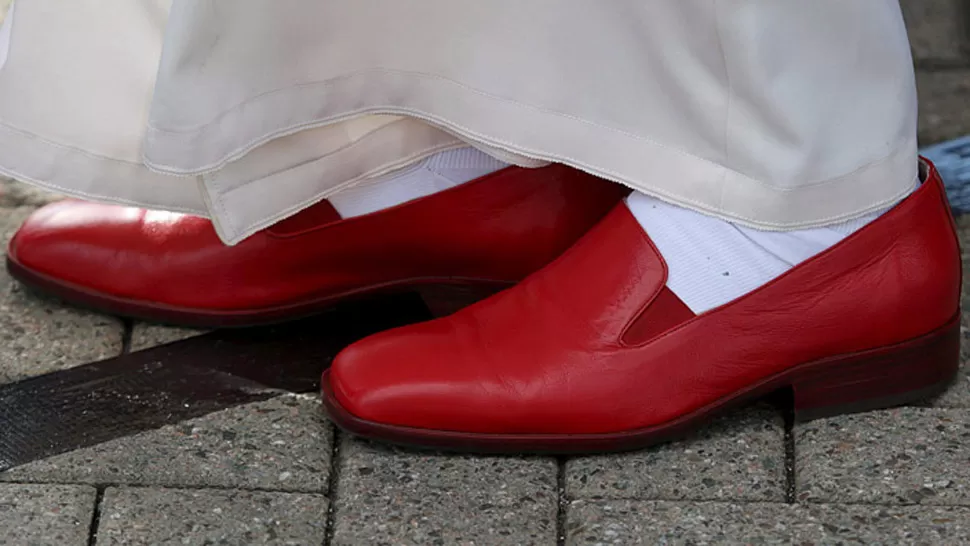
(776,114)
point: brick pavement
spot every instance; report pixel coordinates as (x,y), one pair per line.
(276,472)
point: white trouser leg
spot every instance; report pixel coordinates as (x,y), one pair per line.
(439,172)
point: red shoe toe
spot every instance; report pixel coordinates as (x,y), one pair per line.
(123,260)
(51,234)
(399,378)
(76,244)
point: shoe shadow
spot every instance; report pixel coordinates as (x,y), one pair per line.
(86,405)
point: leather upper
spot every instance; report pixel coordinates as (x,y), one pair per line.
(498,228)
(594,342)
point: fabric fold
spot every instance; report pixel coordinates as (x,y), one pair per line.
(775,115)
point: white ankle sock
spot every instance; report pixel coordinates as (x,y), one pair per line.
(437,173)
(711,261)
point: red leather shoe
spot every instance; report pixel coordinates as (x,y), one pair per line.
(593,353)
(454,247)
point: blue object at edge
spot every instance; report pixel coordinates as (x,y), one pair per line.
(952,159)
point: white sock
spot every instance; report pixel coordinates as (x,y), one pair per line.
(437,173)
(712,261)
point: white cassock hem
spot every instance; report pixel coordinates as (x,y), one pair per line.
(775,115)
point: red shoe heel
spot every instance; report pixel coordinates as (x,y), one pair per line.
(444,299)
(880,378)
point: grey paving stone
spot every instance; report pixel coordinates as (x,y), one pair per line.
(282,444)
(17,194)
(58,515)
(387,496)
(145,336)
(943,105)
(154,516)
(938,29)
(739,457)
(901,456)
(40,335)
(10,220)
(633,522)
(958,395)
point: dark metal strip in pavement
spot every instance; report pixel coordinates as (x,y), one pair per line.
(90,404)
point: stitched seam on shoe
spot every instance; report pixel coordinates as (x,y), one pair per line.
(663,282)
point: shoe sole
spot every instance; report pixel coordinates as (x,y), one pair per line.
(442,296)
(875,379)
